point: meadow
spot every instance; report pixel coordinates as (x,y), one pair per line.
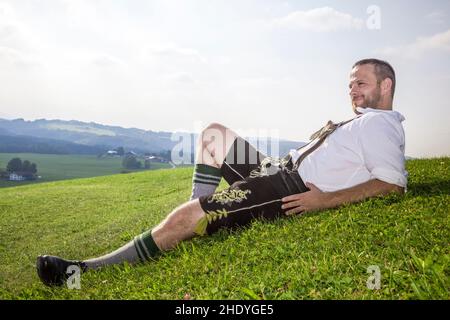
(53,167)
(319,255)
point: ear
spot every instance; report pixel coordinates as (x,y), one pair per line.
(386,86)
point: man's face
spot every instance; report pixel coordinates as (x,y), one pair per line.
(365,91)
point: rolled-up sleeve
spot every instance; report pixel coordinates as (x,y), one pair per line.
(383,150)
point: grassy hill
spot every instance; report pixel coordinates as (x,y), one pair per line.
(315,256)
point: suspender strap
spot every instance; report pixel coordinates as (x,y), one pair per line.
(321,134)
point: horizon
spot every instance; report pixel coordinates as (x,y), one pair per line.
(122,127)
(170,66)
(407,156)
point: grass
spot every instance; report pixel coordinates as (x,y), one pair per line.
(54,167)
(314,256)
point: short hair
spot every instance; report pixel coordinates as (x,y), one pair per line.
(383,70)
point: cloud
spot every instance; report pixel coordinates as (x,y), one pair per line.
(13,57)
(13,33)
(17,43)
(173,63)
(82,14)
(437,17)
(7,31)
(6,11)
(437,43)
(8,22)
(106,61)
(179,77)
(174,51)
(324,19)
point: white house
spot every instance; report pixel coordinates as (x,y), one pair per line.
(16,177)
(155,159)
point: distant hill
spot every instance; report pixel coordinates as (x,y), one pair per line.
(12,144)
(91,138)
(89,134)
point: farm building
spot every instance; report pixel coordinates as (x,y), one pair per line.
(21,176)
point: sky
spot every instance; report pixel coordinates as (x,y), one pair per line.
(260,67)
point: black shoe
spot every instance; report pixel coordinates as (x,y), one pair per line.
(53,270)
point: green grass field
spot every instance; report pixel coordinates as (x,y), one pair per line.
(53,167)
(321,255)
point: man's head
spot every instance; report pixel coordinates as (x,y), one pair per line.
(372,84)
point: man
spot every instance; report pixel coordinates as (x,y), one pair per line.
(346,163)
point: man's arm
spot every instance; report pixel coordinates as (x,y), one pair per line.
(315,199)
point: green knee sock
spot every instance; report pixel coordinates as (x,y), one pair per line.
(205,180)
(141,249)
(146,246)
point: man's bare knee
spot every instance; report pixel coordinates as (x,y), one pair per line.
(215,140)
(214,134)
(216,126)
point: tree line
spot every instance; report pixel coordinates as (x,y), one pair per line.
(16,165)
(24,168)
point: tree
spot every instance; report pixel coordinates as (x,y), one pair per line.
(26,166)
(166,154)
(33,168)
(14,165)
(120,151)
(130,162)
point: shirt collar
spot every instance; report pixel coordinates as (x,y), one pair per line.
(393,113)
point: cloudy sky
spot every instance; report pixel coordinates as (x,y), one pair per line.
(257,66)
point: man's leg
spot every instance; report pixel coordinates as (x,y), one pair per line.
(212,147)
(179,225)
(238,205)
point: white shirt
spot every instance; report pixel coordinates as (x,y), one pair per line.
(369,147)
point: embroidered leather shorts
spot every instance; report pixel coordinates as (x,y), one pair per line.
(257,185)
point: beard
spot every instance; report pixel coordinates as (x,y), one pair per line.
(369,101)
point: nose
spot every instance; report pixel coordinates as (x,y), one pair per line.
(353,91)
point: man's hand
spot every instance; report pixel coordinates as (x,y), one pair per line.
(315,199)
(311,200)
